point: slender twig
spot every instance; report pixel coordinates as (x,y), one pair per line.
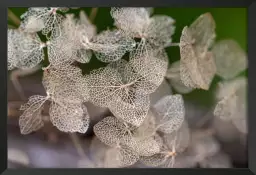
(93,14)
(13,17)
(11,26)
(77,144)
(21,73)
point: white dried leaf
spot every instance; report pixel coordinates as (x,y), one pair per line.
(49,16)
(31,119)
(197,65)
(232,102)
(230,58)
(110,46)
(69,117)
(197,71)
(173,74)
(120,157)
(170,113)
(118,85)
(111,131)
(66,83)
(150,64)
(136,23)
(24,50)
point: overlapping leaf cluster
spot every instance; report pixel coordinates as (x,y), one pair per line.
(137,65)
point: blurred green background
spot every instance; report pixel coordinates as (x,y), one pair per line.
(230,23)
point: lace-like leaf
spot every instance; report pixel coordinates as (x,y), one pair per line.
(230,58)
(31,119)
(136,23)
(69,117)
(24,50)
(121,157)
(232,103)
(173,74)
(155,160)
(132,21)
(66,83)
(49,17)
(170,113)
(110,46)
(150,64)
(125,92)
(197,70)
(110,131)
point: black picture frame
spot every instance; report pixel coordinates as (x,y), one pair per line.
(251,9)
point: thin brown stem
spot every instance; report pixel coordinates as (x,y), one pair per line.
(13,17)
(77,144)
(93,14)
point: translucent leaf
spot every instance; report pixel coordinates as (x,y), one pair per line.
(203,145)
(66,83)
(160,30)
(155,160)
(120,157)
(232,104)
(136,23)
(50,18)
(173,74)
(110,46)
(150,64)
(24,50)
(170,113)
(118,85)
(230,58)
(132,21)
(31,119)
(179,139)
(203,34)
(110,131)
(69,117)
(197,70)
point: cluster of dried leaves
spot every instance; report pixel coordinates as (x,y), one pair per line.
(155,135)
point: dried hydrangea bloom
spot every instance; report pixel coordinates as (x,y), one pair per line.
(170,113)
(137,23)
(197,65)
(66,83)
(173,75)
(31,119)
(219,160)
(120,136)
(24,50)
(173,144)
(48,18)
(232,104)
(115,134)
(109,46)
(230,58)
(72,31)
(150,64)
(69,117)
(119,85)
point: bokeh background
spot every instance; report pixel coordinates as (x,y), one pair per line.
(50,148)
